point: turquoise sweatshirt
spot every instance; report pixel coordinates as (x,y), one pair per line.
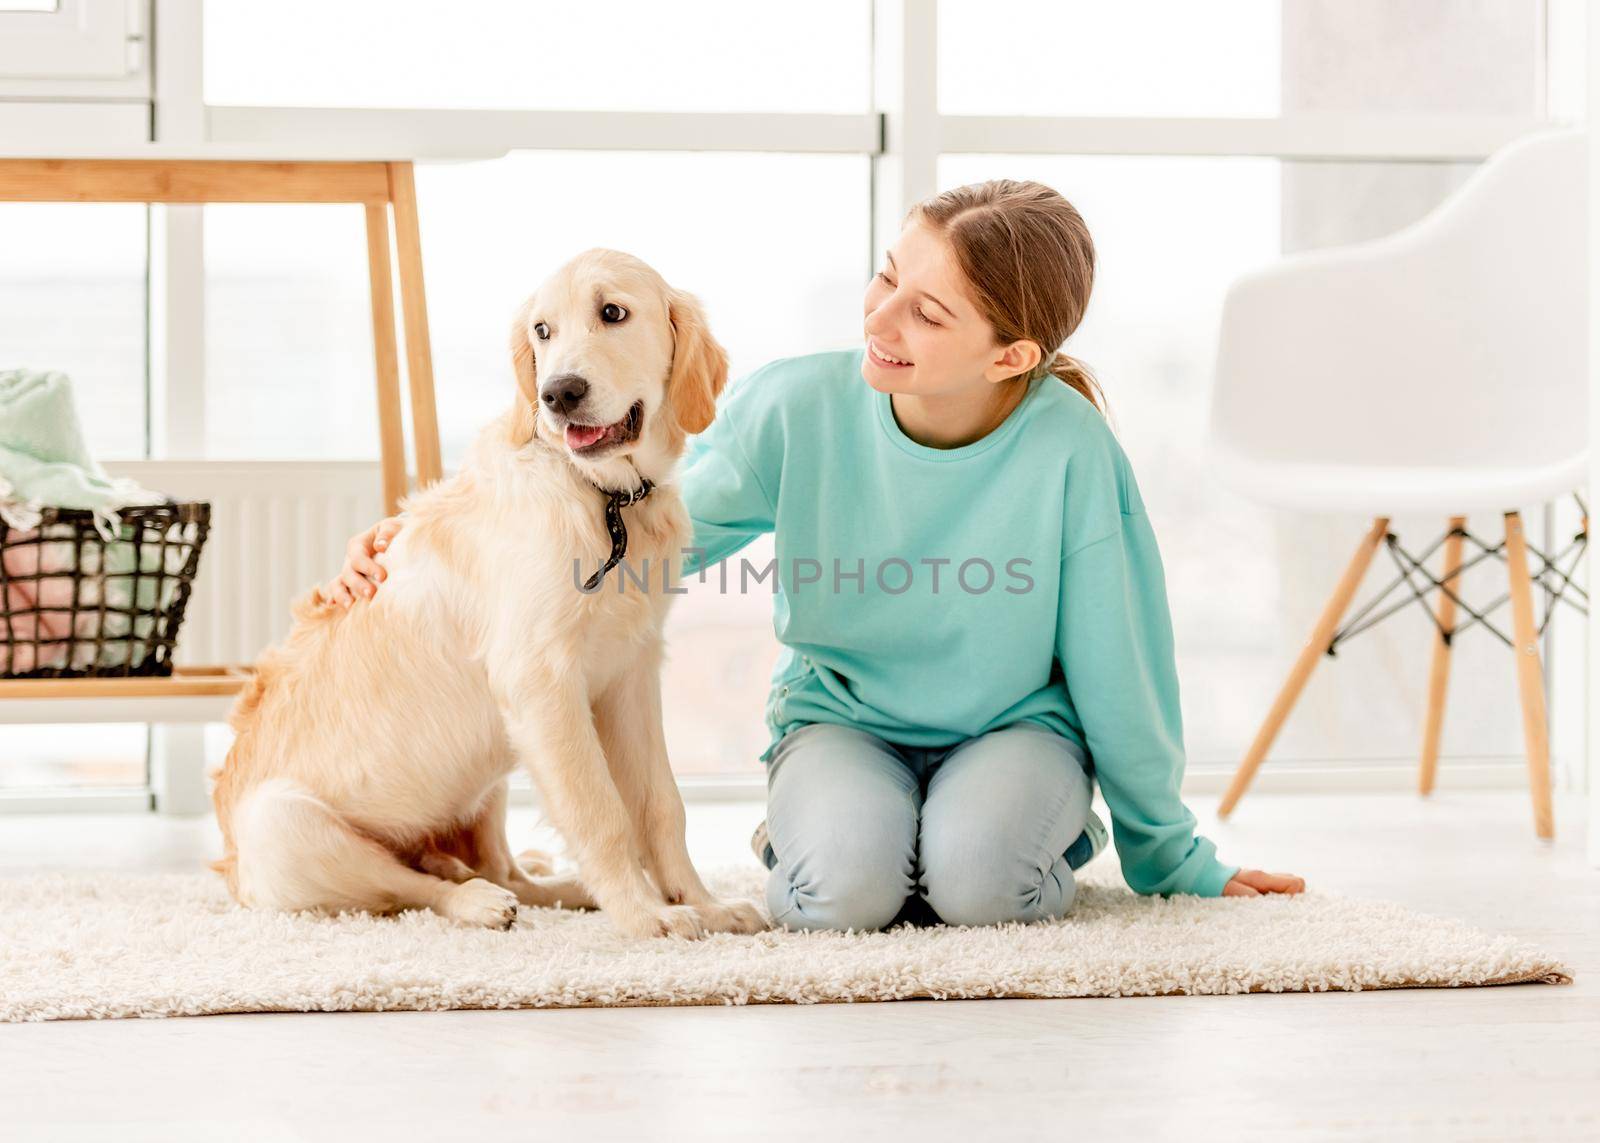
(930,595)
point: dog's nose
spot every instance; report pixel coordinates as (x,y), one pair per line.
(564,393)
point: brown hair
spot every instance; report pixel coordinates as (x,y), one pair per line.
(1029,261)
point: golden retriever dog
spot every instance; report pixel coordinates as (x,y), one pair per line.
(373,744)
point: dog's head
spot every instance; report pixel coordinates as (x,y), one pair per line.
(615,366)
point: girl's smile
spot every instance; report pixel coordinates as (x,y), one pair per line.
(883,360)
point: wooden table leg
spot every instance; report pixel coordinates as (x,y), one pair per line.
(414,307)
(392,442)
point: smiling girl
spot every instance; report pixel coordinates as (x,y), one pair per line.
(982,627)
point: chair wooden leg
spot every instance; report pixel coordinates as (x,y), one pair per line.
(1315,647)
(1439,673)
(1530,677)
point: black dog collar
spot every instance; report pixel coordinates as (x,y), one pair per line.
(616,529)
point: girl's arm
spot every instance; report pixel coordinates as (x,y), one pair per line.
(730,476)
(1116,650)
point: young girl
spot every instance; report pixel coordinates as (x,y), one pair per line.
(970,597)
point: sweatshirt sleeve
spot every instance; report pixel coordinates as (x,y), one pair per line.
(728,499)
(1115,646)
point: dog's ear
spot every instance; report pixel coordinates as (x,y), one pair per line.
(525,413)
(699,364)
(522,354)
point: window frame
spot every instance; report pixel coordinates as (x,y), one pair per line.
(85,48)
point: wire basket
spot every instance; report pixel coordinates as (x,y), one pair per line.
(74,604)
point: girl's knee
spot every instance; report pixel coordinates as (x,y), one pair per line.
(999,892)
(862,898)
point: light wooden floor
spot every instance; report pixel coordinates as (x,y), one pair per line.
(1519,1062)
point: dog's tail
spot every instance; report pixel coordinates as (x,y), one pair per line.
(225,793)
(228,867)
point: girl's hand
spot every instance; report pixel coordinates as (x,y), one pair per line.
(362,573)
(1253,883)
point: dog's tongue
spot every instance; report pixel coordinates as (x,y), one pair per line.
(582,436)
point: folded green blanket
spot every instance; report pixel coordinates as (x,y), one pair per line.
(43,458)
(44,462)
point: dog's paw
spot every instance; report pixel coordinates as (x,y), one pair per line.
(565,892)
(446,868)
(536,863)
(479,902)
(718,916)
(664,921)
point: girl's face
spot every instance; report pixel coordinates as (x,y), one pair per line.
(924,332)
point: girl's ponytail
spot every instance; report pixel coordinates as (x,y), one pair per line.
(1076,374)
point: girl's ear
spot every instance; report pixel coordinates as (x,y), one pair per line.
(522,355)
(699,364)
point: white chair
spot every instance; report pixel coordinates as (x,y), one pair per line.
(1438,369)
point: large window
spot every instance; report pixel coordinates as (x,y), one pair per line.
(1246,58)
(1083,57)
(72,298)
(623,55)
(755,154)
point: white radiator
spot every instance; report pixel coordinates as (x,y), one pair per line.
(277,528)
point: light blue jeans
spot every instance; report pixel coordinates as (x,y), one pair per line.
(866,833)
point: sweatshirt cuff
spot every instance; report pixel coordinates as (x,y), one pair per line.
(1213,879)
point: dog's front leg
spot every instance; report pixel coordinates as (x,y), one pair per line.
(551,730)
(499,867)
(629,720)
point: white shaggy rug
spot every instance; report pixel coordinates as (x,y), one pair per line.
(118,945)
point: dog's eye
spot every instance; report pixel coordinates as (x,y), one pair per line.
(612,313)
(542,331)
